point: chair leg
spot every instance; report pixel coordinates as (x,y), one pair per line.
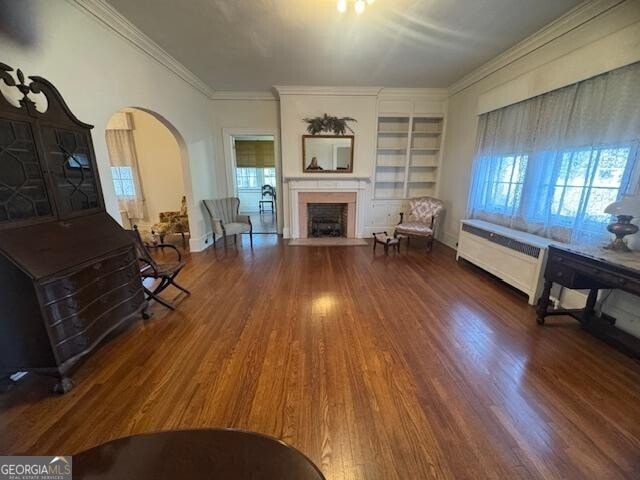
(225,241)
(154,296)
(214,240)
(251,238)
(430,244)
(235,239)
(179,287)
(184,240)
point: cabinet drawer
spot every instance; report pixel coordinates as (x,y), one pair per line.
(95,332)
(62,287)
(77,301)
(61,330)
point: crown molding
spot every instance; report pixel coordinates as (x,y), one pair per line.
(229,95)
(571,20)
(337,91)
(110,17)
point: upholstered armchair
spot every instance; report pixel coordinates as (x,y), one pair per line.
(226,220)
(421,219)
(172,223)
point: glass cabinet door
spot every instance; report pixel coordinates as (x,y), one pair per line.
(23,188)
(72,171)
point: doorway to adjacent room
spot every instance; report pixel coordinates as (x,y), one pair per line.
(255,180)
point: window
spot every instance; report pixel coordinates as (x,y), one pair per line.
(581,185)
(255,177)
(504,183)
(551,165)
(269,176)
(123,182)
(247,177)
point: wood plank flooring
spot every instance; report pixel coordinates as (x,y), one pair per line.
(387,367)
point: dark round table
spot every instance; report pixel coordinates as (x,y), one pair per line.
(216,454)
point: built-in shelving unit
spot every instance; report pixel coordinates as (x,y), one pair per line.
(407,156)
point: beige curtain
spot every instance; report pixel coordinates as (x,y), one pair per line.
(122,153)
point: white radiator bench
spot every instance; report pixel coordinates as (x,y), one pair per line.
(517,258)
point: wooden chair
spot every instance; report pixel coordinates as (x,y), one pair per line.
(267,191)
(421,219)
(165,272)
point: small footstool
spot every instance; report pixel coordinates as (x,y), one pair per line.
(386,240)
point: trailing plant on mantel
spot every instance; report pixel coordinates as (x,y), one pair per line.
(327,123)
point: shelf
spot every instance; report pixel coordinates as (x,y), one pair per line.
(407,156)
(392,150)
(423,165)
(391,166)
(426,134)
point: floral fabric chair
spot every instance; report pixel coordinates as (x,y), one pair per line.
(421,219)
(172,223)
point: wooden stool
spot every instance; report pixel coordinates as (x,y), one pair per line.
(387,241)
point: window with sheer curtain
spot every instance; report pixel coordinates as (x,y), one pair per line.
(550,165)
(124,172)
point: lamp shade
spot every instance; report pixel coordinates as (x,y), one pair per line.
(628,205)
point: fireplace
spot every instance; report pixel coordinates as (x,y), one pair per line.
(327,219)
(327,214)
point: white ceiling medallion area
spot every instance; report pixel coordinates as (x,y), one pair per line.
(105,13)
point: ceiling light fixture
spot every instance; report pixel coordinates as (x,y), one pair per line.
(359,6)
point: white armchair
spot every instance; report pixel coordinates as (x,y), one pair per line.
(226,220)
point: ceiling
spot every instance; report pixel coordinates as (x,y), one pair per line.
(251,45)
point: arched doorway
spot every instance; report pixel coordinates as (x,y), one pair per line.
(150,174)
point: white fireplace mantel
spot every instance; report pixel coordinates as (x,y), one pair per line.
(297,185)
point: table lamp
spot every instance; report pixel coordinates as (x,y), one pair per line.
(625,209)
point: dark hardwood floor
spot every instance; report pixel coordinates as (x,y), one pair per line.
(388,367)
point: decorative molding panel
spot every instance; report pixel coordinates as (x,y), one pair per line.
(337,91)
(110,17)
(573,19)
(431,93)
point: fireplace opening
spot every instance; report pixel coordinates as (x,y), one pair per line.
(327,219)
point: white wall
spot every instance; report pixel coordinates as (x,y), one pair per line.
(295,107)
(608,41)
(98,73)
(238,114)
(246,116)
(159,164)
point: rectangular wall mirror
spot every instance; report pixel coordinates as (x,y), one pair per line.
(327,153)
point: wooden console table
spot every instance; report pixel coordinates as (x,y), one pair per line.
(593,269)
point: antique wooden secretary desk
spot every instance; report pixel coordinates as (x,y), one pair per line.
(68,272)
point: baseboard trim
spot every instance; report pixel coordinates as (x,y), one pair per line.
(450,241)
(201,244)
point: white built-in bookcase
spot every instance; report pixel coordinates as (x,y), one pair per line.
(407,156)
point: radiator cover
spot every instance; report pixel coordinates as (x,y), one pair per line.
(515,257)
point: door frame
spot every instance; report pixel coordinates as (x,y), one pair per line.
(228,139)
